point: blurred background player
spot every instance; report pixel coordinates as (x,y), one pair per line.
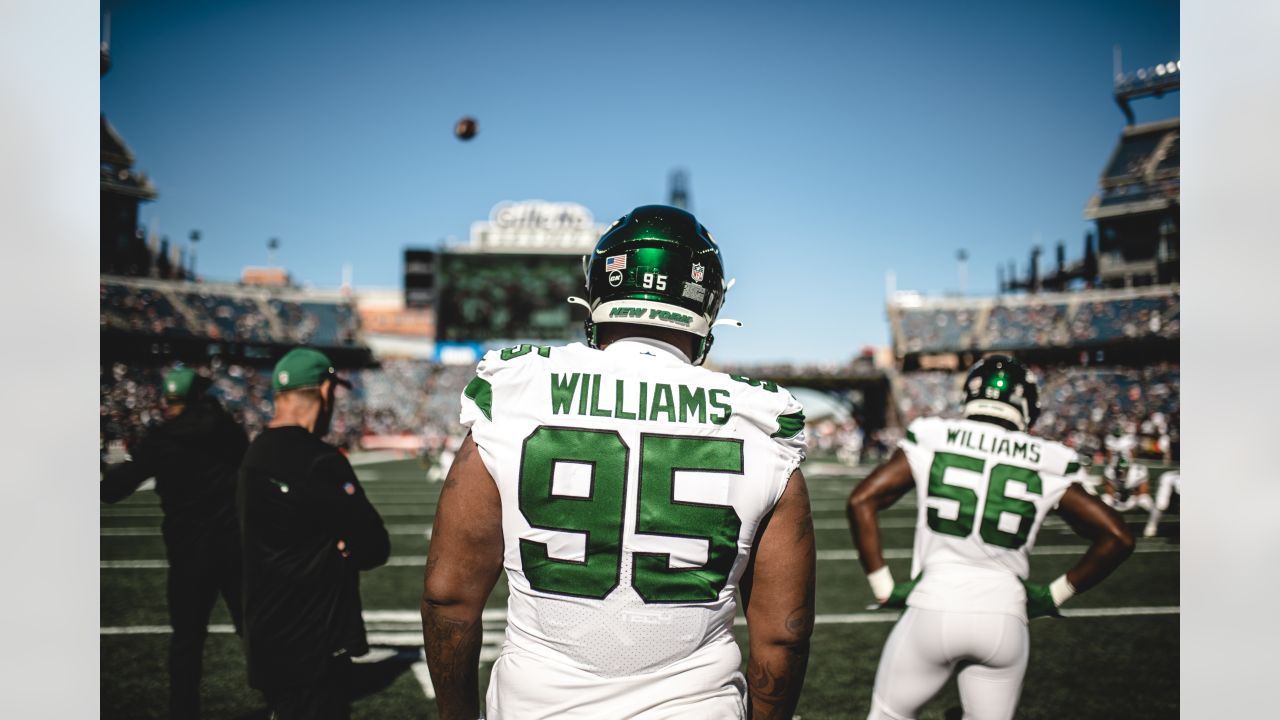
(1125,484)
(1170,482)
(985,486)
(628,492)
(193,456)
(308,530)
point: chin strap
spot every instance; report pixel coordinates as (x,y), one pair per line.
(588,325)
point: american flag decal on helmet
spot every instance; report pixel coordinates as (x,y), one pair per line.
(617,262)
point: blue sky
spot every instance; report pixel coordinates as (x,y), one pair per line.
(827,143)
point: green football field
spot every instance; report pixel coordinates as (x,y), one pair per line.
(1114,656)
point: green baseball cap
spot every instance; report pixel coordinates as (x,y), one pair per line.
(177,383)
(303,367)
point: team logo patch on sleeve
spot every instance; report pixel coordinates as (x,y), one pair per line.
(349,488)
(617,262)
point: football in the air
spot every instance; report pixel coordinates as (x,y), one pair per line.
(465,129)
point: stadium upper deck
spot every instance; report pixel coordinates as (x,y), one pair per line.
(225,312)
(1080,319)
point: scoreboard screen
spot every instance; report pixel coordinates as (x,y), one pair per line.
(487,297)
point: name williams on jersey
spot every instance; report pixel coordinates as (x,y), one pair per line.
(592,395)
(980,441)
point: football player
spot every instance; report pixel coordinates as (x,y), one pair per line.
(629,494)
(984,487)
(1170,482)
(1125,485)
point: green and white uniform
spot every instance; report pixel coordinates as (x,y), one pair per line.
(632,486)
(983,493)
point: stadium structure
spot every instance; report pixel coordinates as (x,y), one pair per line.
(1103,330)
(408,353)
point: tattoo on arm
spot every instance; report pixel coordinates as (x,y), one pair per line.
(774,684)
(452,647)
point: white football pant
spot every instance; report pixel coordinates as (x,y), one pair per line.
(990,651)
(1170,482)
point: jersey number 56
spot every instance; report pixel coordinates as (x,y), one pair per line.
(997,502)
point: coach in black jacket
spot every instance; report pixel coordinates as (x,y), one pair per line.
(307,530)
(193,456)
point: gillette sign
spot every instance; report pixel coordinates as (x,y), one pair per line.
(536,226)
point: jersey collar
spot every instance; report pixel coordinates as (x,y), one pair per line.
(646,346)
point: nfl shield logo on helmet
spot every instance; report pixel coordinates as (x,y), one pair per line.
(696,272)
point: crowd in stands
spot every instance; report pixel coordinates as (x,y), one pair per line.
(1014,327)
(417,398)
(937,329)
(139,310)
(1080,405)
(1053,323)
(1126,319)
(193,311)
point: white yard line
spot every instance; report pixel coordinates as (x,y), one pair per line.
(889,554)
(905,553)
(423,674)
(411,635)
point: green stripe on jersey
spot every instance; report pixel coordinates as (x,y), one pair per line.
(481,393)
(912,438)
(1073,467)
(790,425)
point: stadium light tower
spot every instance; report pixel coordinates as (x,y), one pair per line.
(195,239)
(1144,82)
(679,194)
(273,244)
(962,262)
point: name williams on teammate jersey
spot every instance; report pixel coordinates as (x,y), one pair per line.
(1028,450)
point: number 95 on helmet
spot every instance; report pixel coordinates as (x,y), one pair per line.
(656,266)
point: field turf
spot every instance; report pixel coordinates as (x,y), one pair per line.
(1116,656)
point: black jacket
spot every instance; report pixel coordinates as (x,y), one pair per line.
(194,458)
(297,498)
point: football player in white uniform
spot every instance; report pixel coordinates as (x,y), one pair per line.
(984,487)
(1126,485)
(629,494)
(1170,482)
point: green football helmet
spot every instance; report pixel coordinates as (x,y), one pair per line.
(1002,389)
(656,266)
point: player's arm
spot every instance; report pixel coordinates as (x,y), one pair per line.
(1111,541)
(882,488)
(779,607)
(463,564)
(362,538)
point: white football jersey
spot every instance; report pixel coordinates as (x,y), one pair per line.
(1135,474)
(632,486)
(983,493)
